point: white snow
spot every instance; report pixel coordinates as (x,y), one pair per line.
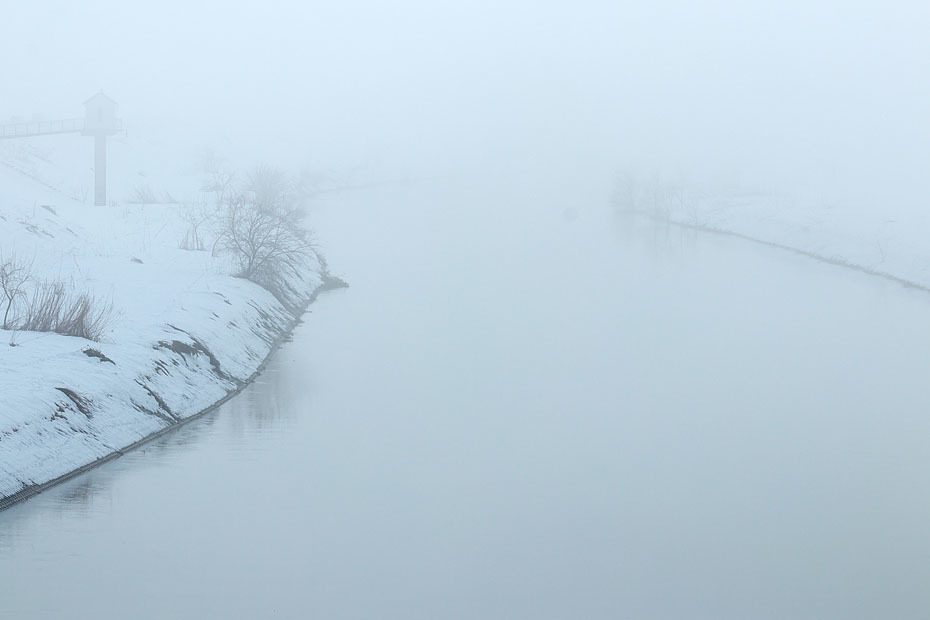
(174,307)
(888,239)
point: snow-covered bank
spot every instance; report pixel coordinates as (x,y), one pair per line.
(187,334)
(888,242)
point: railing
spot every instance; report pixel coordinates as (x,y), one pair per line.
(41,128)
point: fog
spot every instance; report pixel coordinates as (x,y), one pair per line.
(560,421)
(529,402)
(825,98)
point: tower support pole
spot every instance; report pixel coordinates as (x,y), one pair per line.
(100,170)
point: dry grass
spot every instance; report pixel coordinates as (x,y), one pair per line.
(55,307)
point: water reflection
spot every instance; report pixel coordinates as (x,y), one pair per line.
(602,421)
(661,241)
(79,495)
(267,407)
(243,420)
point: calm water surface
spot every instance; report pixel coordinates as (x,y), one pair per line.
(519,411)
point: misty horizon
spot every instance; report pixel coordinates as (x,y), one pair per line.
(413,309)
(824,100)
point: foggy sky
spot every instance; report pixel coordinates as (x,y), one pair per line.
(512,405)
(829,98)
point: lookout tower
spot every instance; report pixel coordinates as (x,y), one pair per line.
(100,121)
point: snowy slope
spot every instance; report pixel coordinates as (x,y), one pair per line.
(888,240)
(186,334)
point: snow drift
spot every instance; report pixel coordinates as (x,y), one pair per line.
(186,333)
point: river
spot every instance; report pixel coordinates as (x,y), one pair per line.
(526,407)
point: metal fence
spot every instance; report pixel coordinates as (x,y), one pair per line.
(41,128)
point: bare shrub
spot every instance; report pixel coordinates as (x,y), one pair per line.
(56,307)
(15,273)
(142,195)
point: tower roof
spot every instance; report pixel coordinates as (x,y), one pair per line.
(98,97)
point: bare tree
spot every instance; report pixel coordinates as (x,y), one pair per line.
(263,235)
(195,213)
(15,273)
(659,196)
(273,190)
(219,178)
(626,192)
